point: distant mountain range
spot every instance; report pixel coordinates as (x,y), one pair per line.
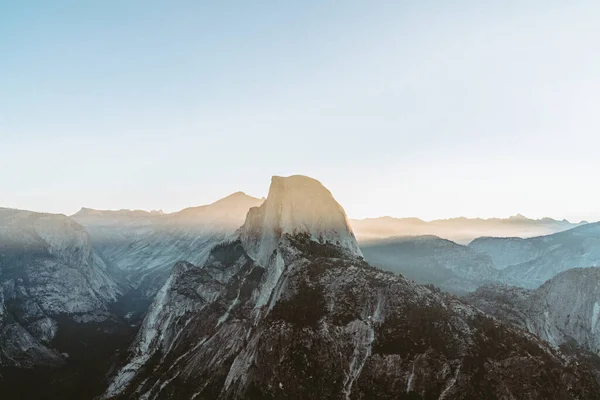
(429,259)
(456,268)
(276,298)
(460,230)
(530,262)
(142,246)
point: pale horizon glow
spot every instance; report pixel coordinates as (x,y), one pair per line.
(425,109)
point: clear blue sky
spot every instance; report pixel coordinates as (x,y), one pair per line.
(422,108)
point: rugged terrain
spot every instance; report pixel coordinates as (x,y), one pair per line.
(60,321)
(48,269)
(564,309)
(289,309)
(255,298)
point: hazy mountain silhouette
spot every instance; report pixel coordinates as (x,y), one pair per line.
(460,230)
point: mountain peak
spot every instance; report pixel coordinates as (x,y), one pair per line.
(297,204)
(236,199)
(236,196)
(518,217)
(232,208)
(86,211)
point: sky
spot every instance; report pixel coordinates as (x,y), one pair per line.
(431,109)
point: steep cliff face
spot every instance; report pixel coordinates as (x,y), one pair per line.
(565,308)
(26,345)
(568,306)
(47,269)
(296,204)
(289,309)
(142,247)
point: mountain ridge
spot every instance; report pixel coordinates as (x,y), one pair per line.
(461,230)
(330,326)
(233,197)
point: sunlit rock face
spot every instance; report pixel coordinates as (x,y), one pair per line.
(297,204)
(565,308)
(289,309)
(47,268)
